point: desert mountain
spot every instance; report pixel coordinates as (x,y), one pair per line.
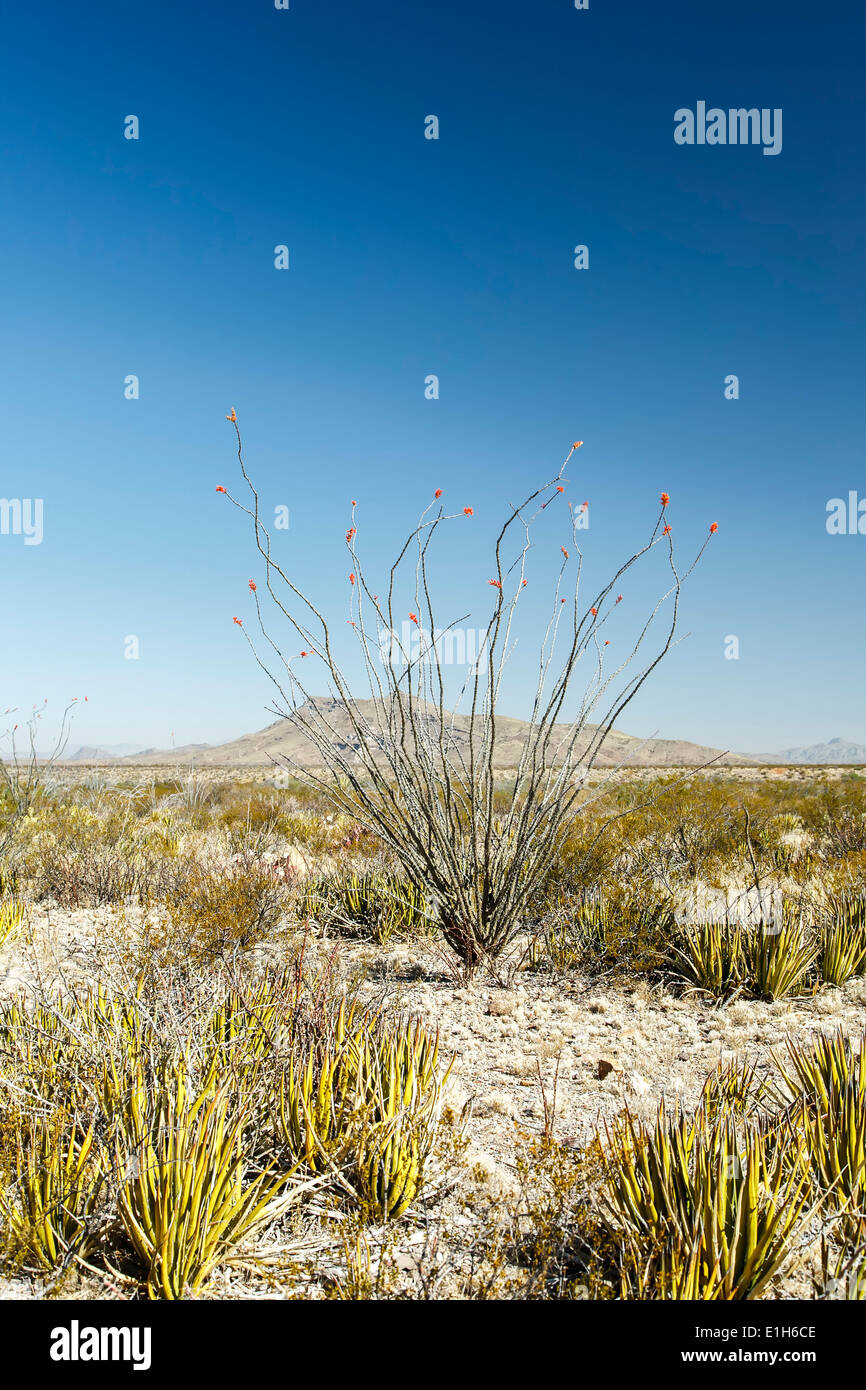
(838,750)
(283,740)
(103,753)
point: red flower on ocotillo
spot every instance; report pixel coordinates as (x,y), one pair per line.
(220,489)
(714,528)
(665,499)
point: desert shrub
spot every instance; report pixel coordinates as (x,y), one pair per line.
(711,955)
(845,833)
(9,881)
(221,911)
(164,1133)
(779,959)
(549,1242)
(365,1099)
(160,835)
(699,836)
(311,832)
(734,1088)
(778,841)
(835,1133)
(704,1208)
(12,913)
(52,1206)
(186,1196)
(160,790)
(588,855)
(816,1069)
(843,951)
(681,829)
(254,806)
(372,905)
(841,921)
(624,929)
(822,1084)
(81,858)
(677,831)
(843,1273)
(836,815)
(707,1208)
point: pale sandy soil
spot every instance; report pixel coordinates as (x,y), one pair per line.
(653,1041)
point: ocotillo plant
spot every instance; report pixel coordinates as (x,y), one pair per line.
(22,774)
(422,776)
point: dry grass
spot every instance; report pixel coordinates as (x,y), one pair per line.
(224,979)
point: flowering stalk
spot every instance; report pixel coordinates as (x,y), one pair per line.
(421,776)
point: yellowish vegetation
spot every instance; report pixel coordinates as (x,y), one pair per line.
(225,1092)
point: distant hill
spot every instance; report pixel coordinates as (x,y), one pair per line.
(838,750)
(283,739)
(126,752)
(104,753)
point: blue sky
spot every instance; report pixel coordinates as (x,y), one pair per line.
(411,257)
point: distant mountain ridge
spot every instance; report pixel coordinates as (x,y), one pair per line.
(836,750)
(284,740)
(103,752)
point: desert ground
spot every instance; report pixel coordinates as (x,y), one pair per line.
(680,976)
